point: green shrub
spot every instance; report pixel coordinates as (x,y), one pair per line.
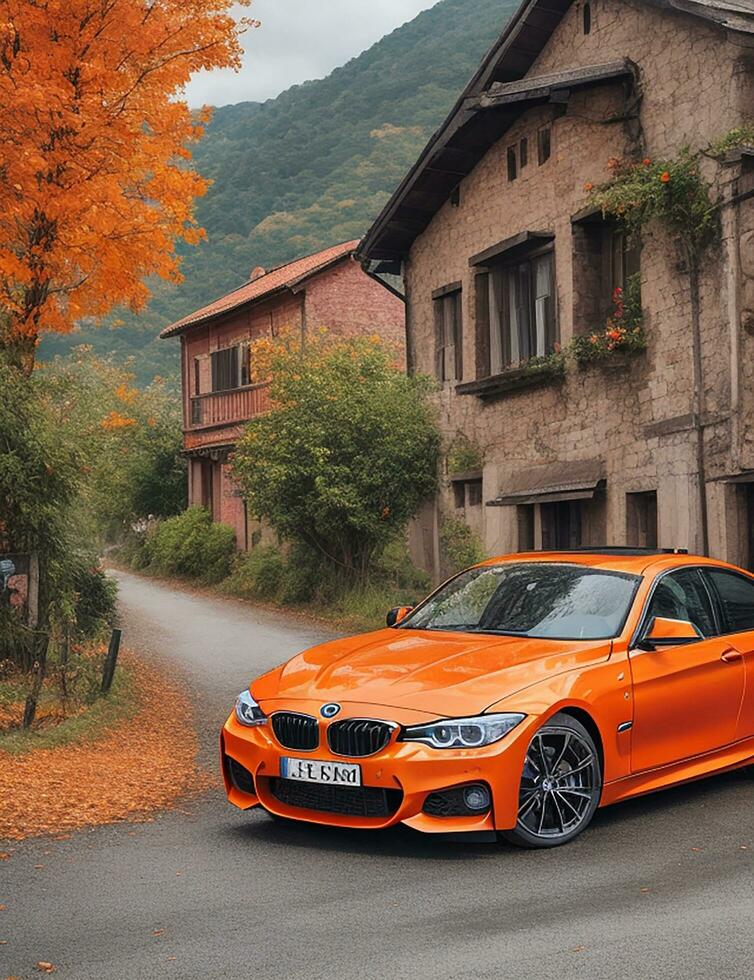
(96,597)
(460,546)
(257,574)
(307,577)
(346,455)
(396,570)
(191,544)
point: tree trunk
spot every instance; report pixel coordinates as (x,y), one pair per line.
(40,669)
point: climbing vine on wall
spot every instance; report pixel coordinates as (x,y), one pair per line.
(672,191)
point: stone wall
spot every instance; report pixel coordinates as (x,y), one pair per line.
(695,81)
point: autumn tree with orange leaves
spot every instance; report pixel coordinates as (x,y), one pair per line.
(95,186)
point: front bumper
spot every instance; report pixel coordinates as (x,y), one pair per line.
(413,769)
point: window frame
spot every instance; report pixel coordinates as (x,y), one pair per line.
(442,298)
(544,144)
(242,363)
(644,619)
(501,319)
(722,617)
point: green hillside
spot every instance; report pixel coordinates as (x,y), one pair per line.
(311,167)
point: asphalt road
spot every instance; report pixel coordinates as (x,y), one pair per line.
(662,887)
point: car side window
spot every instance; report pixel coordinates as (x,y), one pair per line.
(736,595)
(682,595)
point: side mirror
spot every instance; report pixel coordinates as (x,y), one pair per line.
(397,614)
(669,633)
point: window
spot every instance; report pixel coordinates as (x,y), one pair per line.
(525,518)
(544,146)
(587,20)
(546,599)
(230,367)
(603,260)
(197,376)
(448,333)
(561,525)
(474,493)
(641,519)
(682,595)
(522,321)
(523,152)
(623,258)
(467,493)
(736,595)
(512,163)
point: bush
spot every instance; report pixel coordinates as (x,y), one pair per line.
(302,577)
(346,455)
(191,544)
(258,573)
(460,546)
(96,597)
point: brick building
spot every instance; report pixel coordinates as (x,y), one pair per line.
(327,290)
(503,260)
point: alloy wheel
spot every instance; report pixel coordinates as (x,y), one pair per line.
(561,784)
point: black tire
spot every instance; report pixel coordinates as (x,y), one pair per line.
(561,785)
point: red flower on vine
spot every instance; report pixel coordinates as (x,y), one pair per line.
(665,177)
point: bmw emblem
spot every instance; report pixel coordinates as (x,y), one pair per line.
(329,710)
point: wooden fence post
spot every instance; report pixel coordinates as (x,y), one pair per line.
(108,670)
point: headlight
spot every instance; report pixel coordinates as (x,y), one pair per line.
(248,711)
(463,733)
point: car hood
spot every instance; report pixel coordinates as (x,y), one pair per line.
(445,674)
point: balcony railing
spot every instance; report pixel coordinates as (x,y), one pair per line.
(228,407)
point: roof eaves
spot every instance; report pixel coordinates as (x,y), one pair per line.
(539,18)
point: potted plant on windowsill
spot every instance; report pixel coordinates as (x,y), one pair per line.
(622,335)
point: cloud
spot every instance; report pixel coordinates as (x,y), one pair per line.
(300,40)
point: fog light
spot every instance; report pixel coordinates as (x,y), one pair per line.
(477,797)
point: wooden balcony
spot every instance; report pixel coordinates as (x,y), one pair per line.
(219,408)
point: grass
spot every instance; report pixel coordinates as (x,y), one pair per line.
(362,608)
(87,724)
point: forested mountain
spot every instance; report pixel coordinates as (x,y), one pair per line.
(309,168)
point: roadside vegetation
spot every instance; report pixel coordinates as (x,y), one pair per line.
(82,454)
(346,456)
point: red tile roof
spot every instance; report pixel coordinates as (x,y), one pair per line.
(284,277)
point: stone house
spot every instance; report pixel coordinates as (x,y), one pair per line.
(327,290)
(505,263)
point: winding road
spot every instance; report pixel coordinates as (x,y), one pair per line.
(658,888)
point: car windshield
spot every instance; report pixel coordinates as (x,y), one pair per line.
(542,599)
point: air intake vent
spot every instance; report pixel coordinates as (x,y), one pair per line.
(350,801)
(296,731)
(358,736)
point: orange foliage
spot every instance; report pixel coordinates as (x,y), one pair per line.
(53,790)
(94,182)
(114,420)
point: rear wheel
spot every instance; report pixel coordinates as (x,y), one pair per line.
(560,785)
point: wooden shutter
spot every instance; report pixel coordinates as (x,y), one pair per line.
(437,306)
(458,332)
(482,323)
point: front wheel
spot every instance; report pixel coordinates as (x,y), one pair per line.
(560,785)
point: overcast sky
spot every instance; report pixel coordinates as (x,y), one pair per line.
(300,40)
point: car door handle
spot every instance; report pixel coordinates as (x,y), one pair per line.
(732,656)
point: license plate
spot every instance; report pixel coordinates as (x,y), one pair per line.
(313,771)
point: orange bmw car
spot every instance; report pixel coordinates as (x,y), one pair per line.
(518,698)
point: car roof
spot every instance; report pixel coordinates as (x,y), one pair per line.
(633,561)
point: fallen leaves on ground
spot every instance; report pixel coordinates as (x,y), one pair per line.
(141,764)
(44,967)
